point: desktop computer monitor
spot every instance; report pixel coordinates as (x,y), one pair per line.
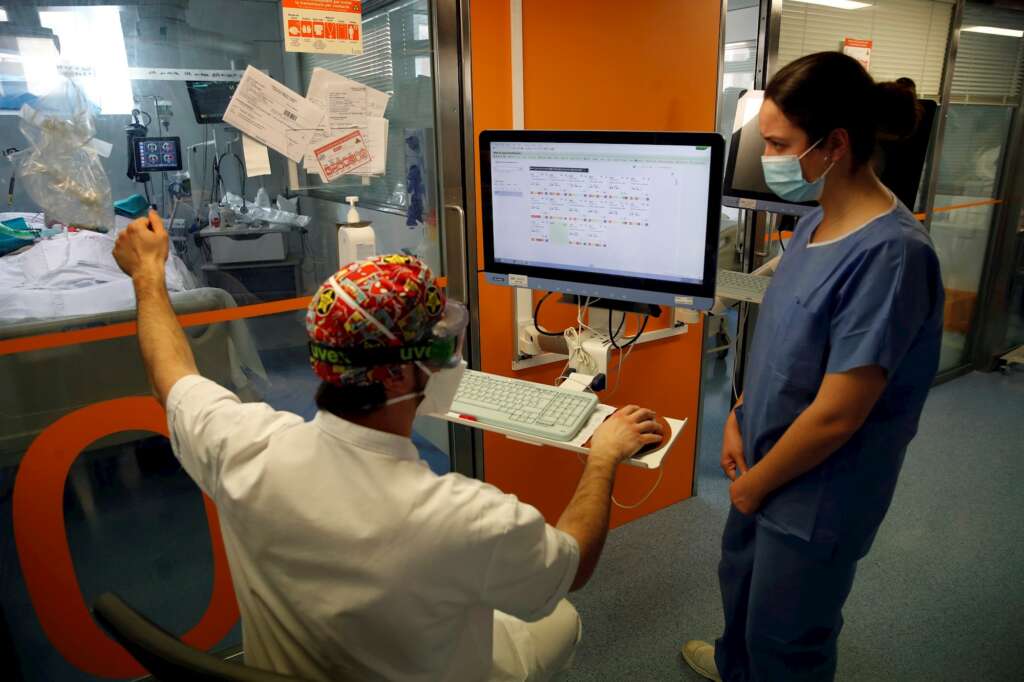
(620,216)
(744,185)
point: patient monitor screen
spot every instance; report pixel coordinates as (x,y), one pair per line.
(621,209)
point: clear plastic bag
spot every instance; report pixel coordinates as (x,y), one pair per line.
(254,213)
(61,170)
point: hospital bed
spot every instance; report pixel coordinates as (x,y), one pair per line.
(40,386)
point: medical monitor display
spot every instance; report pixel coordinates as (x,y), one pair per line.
(210,99)
(744,185)
(628,211)
(155,154)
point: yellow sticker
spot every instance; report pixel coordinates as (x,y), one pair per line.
(433,301)
(326,301)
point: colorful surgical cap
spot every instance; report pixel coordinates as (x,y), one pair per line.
(398,291)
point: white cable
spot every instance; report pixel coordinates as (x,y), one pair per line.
(661,473)
(622,361)
(574,344)
(618,369)
(578,357)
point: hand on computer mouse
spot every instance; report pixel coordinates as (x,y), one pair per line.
(625,432)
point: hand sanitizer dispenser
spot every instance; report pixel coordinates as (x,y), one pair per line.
(356,239)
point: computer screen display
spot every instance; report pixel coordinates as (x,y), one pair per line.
(210,99)
(155,154)
(744,185)
(636,211)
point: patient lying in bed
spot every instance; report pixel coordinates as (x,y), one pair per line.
(70,276)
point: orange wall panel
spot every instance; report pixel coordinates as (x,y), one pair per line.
(605,65)
(596,65)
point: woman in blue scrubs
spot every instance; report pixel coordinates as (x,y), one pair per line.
(846,347)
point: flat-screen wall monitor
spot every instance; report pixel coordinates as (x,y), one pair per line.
(620,216)
(210,99)
(901,162)
(744,185)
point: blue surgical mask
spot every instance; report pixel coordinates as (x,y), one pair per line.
(785,177)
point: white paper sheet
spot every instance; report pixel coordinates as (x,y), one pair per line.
(349,104)
(601,412)
(273,114)
(369,101)
(375,135)
(256,156)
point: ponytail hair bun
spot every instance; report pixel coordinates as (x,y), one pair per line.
(827,91)
(898,112)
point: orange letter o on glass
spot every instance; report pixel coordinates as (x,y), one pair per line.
(41,540)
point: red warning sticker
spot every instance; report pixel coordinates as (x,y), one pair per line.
(323,26)
(342,155)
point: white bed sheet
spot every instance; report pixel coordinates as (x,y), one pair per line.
(71,275)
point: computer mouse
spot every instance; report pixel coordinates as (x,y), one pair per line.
(647,449)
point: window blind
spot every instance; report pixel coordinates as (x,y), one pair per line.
(388,63)
(909,37)
(373,67)
(989,68)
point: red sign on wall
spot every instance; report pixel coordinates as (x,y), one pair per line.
(323,26)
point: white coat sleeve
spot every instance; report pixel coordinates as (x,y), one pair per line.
(212,430)
(532,565)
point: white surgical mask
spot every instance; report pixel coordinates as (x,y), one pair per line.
(785,177)
(439,391)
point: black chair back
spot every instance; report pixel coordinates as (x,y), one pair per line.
(167,658)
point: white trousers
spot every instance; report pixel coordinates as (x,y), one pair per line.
(532,652)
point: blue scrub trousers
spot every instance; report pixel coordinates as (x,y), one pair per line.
(782,599)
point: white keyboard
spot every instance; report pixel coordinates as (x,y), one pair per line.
(523,406)
(740,286)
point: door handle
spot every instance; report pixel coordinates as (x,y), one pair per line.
(463,255)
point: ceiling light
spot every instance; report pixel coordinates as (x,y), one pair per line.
(837,4)
(995,31)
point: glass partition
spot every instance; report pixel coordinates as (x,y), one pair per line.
(986,86)
(91,498)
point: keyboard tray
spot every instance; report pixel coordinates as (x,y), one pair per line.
(651,460)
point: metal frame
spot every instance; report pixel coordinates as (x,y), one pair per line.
(768,32)
(476,436)
(457,214)
(987,332)
(704,318)
(948,71)
(991,319)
